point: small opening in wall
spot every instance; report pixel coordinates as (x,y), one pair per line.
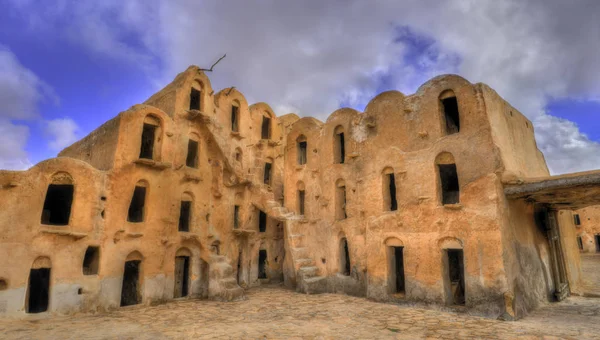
(136,208)
(235,116)
(597,238)
(576,219)
(456,277)
(341,148)
(236,216)
(301,198)
(302,146)
(192,154)
(451,115)
(91,261)
(182,276)
(195,97)
(389,187)
(148,137)
(3,284)
(102,214)
(262,264)
(262,221)
(79,291)
(340,210)
(267,174)
(449,183)
(57,205)
(103,198)
(323,260)
(396,269)
(185,215)
(265,131)
(579,242)
(344,257)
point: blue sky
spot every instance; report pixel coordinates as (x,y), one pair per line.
(71,65)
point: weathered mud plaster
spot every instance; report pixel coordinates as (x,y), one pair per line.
(404,202)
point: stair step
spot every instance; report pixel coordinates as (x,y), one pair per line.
(308,272)
(315,279)
(229,283)
(218,258)
(300,252)
(305,262)
(296,240)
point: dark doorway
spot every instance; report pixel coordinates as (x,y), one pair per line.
(182,276)
(396,265)
(344,257)
(262,264)
(136,207)
(148,135)
(239,268)
(579,243)
(456,277)
(262,221)
(192,154)
(267,175)
(265,131)
(130,292)
(597,238)
(449,183)
(91,261)
(302,146)
(57,205)
(185,215)
(451,115)
(195,96)
(236,216)
(39,290)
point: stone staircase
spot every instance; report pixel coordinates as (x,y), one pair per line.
(307,273)
(222,285)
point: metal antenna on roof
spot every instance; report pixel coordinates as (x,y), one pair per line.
(213,65)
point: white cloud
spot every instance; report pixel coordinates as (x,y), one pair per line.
(309,56)
(62,132)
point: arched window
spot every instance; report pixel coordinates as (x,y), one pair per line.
(301,198)
(58,201)
(448,179)
(344,257)
(390,200)
(265,129)
(451,116)
(151,137)
(196,94)
(339,145)
(138,202)
(301,146)
(235,116)
(268,172)
(340,200)
(185,212)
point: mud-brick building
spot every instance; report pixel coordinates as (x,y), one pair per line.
(587,224)
(439,197)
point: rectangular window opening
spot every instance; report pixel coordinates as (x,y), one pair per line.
(392,192)
(235,118)
(449,184)
(576,219)
(597,238)
(579,243)
(136,208)
(267,175)
(236,216)
(302,152)
(57,204)
(265,131)
(301,195)
(91,261)
(451,115)
(185,215)
(192,154)
(148,136)
(341,203)
(262,264)
(342,148)
(456,278)
(39,290)
(262,221)
(195,97)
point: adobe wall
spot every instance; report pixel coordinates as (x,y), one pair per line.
(102,198)
(404,134)
(589,228)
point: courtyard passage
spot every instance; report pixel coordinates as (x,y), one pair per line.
(277,313)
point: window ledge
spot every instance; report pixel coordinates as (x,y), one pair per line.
(193,114)
(352,155)
(243,232)
(192,175)
(152,163)
(455,206)
(63,232)
(236,135)
(300,167)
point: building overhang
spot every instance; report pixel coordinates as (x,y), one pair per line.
(569,191)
